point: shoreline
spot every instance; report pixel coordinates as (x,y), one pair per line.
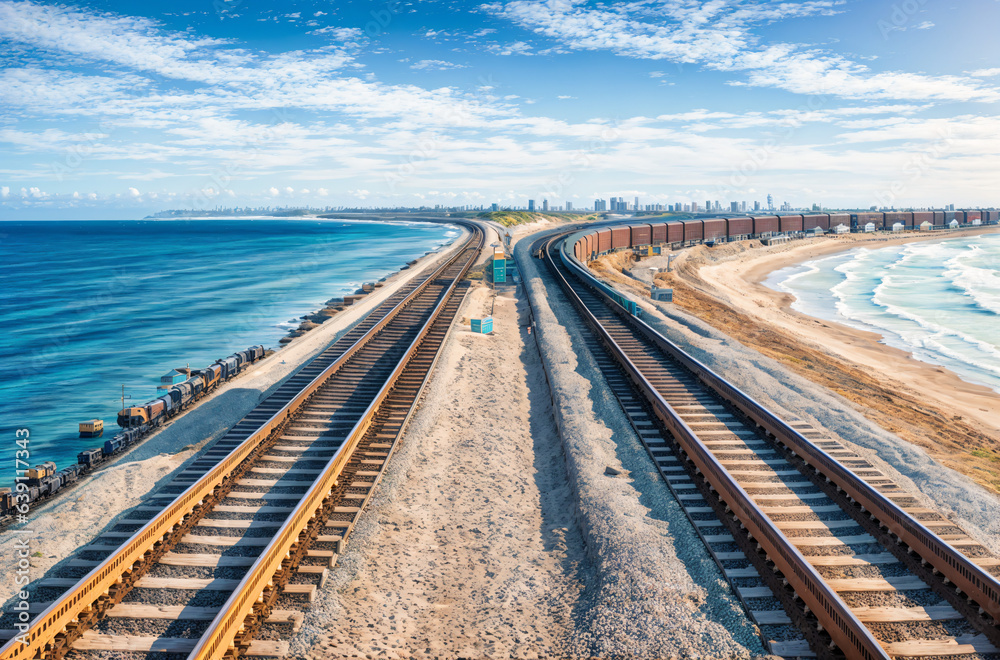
(865,347)
(928,405)
(69,519)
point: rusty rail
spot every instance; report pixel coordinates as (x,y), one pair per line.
(63,613)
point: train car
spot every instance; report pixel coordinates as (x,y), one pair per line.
(952,215)
(658,233)
(694,231)
(837,219)
(41,471)
(258,352)
(603,241)
(991,217)
(230,367)
(739,228)
(715,229)
(619,237)
(789,223)
(973,217)
(901,217)
(640,235)
(675,232)
(764,225)
(90,457)
(920,217)
(210,375)
(813,220)
(860,220)
(939,219)
(591,245)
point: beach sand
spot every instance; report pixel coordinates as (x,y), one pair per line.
(60,526)
(469,547)
(923,403)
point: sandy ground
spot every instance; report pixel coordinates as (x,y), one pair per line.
(740,280)
(658,593)
(469,548)
(957,422)
(781,371)
(62,525)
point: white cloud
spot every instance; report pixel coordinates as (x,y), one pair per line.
(4,191)
(926,25)
(717,35)
(985,73)
(349,34)
(516,48)
(564,97)
(322,192)
(273,192)
(436,65)
(133,192)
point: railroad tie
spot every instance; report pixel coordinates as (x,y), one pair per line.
(91,641)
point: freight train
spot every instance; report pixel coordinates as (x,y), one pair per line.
(681,233)
(43,480)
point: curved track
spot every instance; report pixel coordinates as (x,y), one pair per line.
(789,507)
(261,515)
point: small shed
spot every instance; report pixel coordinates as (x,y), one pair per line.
(926,226)
(815,231)
(953,224)
(841,229)
(870,227)
(899,226)
(976,222)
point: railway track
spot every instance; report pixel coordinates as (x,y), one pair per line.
(217,563)
(813,539)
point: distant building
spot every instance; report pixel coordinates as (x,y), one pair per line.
(494,207)
(545,205)
(817,207)
(770,203)
(743,206)
(636,207)
(756,205)
(569,206)
(531,205)
(734,207)
(600,205)
(694,207)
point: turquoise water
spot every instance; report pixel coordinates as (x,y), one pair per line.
(90,306)
(939,300)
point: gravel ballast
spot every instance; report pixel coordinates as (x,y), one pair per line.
(659,594)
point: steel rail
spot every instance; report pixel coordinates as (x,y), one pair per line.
(217,640)
(65,611)
(847,632)
(969,579)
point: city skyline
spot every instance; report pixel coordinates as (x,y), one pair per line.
(188,105)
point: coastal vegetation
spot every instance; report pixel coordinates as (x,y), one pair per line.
(511,218)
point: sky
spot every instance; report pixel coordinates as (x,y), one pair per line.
(118,109)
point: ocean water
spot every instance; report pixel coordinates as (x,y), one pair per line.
(88,307)
(939,300)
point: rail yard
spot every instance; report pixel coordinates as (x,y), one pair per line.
(826,554)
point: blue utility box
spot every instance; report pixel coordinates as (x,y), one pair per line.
(483,326)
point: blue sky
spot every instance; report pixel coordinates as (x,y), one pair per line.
(198,103)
